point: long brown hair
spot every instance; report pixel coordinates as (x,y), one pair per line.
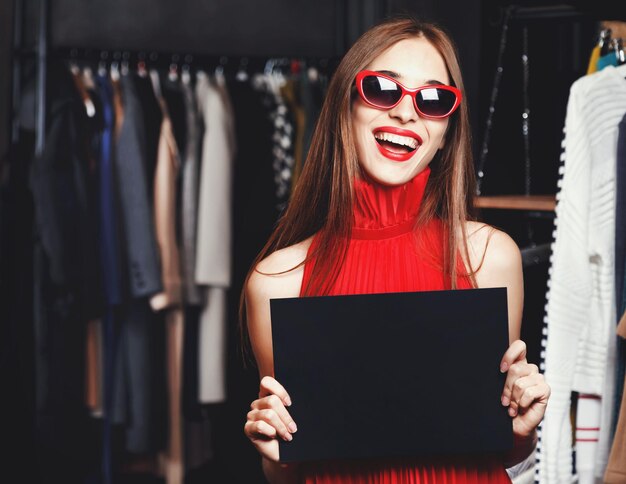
(321,202)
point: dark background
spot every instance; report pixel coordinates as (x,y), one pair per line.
(559,49)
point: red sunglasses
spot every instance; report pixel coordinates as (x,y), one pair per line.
(434,101)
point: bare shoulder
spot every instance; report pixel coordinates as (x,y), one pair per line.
(493,254)
(280,273)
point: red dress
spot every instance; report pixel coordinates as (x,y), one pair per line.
(384,256)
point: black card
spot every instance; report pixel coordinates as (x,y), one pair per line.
(400,374)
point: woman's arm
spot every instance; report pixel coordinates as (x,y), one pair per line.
(268,419)
(525,391)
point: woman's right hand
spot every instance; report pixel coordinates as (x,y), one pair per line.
(269,420)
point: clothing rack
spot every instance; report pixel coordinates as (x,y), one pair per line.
(228,65)
(42,52)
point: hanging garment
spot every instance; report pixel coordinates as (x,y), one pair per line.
(214,242)
(140,397)
(620,261)
(311,99)
(197,429)
(170,299)
(93,367)
(213,245)
(152,117)
(616,468)
(580,312)
(67,283)
(111,260)
(197,424)
(63,183)
(165,216)
(384,255)
(138,388)
(118,105)
(290,92)
(143,266)
(189,202)
(593,60)
(283,135)
(609,59)
(174,97)
(110,239)
(588,416)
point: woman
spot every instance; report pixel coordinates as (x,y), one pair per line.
(383,205)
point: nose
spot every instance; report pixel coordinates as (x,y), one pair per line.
(404,111)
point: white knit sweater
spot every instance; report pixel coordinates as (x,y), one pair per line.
(580,312)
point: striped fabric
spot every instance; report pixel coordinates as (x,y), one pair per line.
(580,310)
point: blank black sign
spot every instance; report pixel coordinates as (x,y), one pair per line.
(399,374)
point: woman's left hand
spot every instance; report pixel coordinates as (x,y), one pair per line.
(525,391)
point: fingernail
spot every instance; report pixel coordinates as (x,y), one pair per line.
(288,437)
(504,367)
(288,401)
(512,412)
(292,427)
(505,401)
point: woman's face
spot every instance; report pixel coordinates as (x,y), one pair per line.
(413,62)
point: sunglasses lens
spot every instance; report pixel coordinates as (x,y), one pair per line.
(435,101)
(381,91)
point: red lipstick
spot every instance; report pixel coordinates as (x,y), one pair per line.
(400,132)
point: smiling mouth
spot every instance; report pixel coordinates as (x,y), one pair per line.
(396,146)
(396,143)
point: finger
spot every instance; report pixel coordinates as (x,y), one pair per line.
(517,370)
(515,352)
(537,393)
(276,404)
(519,387)
(258,428)
(527,391)
(271,417)
(269,386)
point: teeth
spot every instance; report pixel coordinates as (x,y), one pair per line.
(397,139)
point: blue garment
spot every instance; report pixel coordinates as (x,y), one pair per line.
(110,258)
(609,59)
(620,266)
(109,240)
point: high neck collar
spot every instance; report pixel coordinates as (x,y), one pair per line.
(387,211)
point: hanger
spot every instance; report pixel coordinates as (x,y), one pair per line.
(114,68)
(269,66)
(173,69)
(618,48)
(604,40)
(142,71)
(102,65)
(124,67)
(82,89)
(219,69)
(185,75)
(242,72)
